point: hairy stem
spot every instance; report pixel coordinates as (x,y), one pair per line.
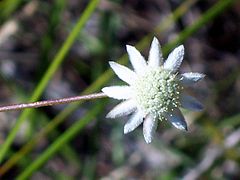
(51,102)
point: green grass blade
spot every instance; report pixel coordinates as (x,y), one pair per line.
(206,17)
(8,7)
(51,70)
(64,138)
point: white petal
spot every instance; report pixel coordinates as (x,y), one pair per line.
(122,109)
(118,92)
(190,78)
(123,72)
(174,59)
(138,62)
(177,119)
(149,128)
(155,58)
(133,122)
(191,103)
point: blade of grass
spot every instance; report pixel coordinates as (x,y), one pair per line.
(64,138)
(8,7)
(17,157)
(46,155)
(103,79)
(56,13)
(47,76)
(219,7)
(232,121)
(47,41)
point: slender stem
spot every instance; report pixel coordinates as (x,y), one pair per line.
(37,104)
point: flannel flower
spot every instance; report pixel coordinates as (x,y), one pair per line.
(155,90)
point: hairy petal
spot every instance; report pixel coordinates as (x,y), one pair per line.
(133,122)
(118,92)
(123,72)
(177,119)
(188,79)
(174,59)
(122,109)
(155,58)
(191,103)
(149,128)
(138,62)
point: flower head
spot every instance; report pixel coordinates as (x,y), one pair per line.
(155,90)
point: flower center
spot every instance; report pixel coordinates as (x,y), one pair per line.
(157,92)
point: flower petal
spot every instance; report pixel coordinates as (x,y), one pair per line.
(149,128)
(123,72)
(174,59)
(133,122)
(118,92)
(138,62)
(155,58)
(190,78)
(191,103)
(177,119)
(122,109)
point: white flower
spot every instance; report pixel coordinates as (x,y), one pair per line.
(154,91)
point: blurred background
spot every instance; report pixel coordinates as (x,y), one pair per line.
(38,61)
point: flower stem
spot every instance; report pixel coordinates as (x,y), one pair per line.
(51,102)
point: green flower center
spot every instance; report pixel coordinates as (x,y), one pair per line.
(157,92)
